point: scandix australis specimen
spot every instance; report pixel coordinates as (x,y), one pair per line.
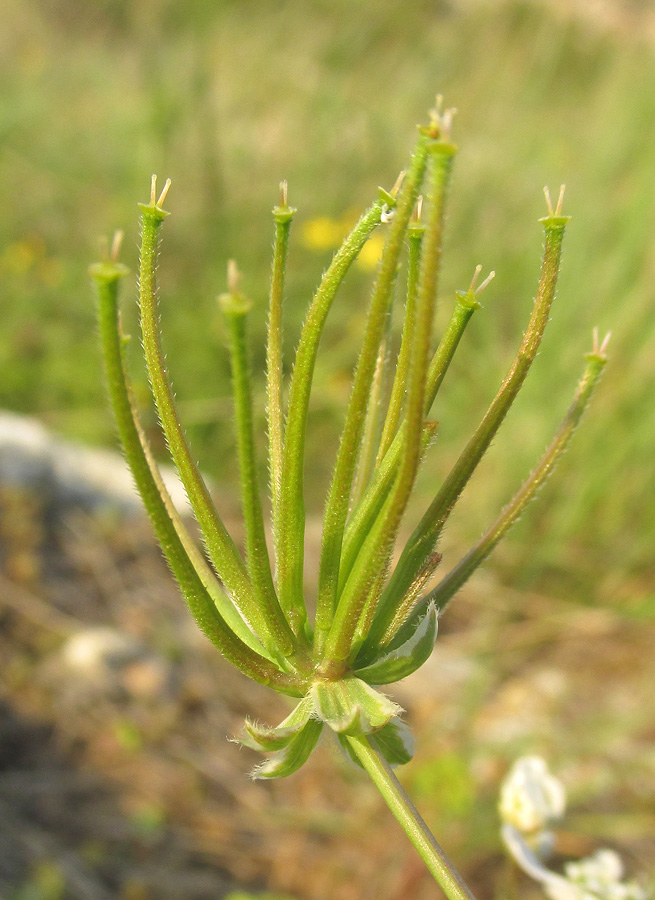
(374,624)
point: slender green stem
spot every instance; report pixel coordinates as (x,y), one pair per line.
(422,542)
(537,478)
(266,620)
(406,814)
(357,602)
(222,602)
(235,307)
(368,509)
(338,499)
(466,305)
(405,611)
(371,428)
(396,400)
(169,530)
(291,534)
(282,216)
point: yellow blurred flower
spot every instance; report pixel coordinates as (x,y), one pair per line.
(29,255)
(371,252)
(18,257)
(325,233)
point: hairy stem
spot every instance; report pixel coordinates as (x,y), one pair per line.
(235,308)
(357,602)
(366,512)
(338,499)
(406,814)
(282,216)
(537,478)
(371,428)
(266,620)
(396,400)
(175,545)
(291,534)
(422,542)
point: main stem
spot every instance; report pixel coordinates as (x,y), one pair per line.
(443,871)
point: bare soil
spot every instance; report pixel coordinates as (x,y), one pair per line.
(119,781)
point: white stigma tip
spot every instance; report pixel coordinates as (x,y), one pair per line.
(474,280)
(116,245)
(447,121)
(165,190)
(442,118)
(153,190)
(233,276)
(481,287)
(284,194)
(598,349)
(560,200)
(398,183)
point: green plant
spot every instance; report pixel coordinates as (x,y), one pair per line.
(372,625)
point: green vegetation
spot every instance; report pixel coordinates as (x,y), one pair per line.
(228,99)
(374,620)
(246,895)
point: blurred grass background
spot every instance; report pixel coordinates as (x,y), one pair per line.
(227,98)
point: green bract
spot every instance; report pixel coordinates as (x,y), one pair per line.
(373,625)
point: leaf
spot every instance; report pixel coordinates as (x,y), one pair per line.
(293,756)
(267,739)
(351,706)
(394,741)
(408,657)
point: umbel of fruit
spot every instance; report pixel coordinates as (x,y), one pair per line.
(374,623)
